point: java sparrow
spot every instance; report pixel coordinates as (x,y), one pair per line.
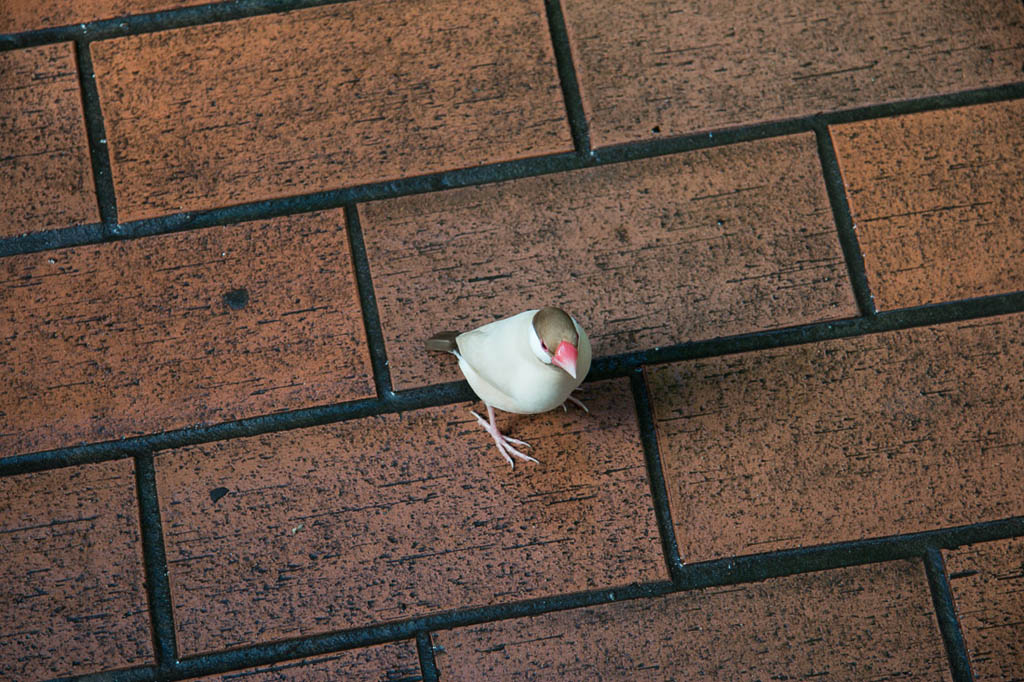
(526,364)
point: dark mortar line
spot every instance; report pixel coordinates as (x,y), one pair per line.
(425,649)
(97,137)
(499,172)
(945,613)
(708,574)
(607,367)
(154,554)
(847,230)
(128,675)
(655,474)
(368,302)
(567,77)
(138,24)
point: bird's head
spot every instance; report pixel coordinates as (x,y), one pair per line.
(554,339)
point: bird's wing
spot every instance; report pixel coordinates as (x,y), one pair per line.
(495,350)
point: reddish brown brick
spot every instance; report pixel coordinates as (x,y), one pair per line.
(397,661)
(854,438)
(72,599)
(391,517)
(27,15)
(164,332)
(324,98)
(988,587)
(45,166)
(671,249)
(868,622)
(938,202)
(655,68)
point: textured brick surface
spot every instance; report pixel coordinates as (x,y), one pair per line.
(987,580)
(654,252)
(325,97)
(662,68)
(395,662)
(938,202)
(396,516)
(854,438)
(44,152)
(864,623)
(165,332)
(25,15)
(72,599)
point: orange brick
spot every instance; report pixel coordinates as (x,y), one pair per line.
(655,252)
(73,599)
(653,68)
(397,661)
(854,438)
(164,332)
(323,98)
(27,15)
(868,622)
(987,580)
(45,166)
(391,517)
(938,202)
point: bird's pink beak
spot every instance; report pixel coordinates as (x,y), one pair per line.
(565,357)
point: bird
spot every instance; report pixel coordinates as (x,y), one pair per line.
(525,364)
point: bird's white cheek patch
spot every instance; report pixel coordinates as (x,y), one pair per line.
(538,348)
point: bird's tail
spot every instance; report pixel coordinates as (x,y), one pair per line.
(445,341)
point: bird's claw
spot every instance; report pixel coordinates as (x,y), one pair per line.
(504,443)
(575,401)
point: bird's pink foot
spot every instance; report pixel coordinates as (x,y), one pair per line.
(504,443)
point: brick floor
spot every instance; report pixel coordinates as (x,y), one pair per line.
(73,599)
(653,68)
(940,218)
(869,622)
(171,331)
(394,662)
(791,231)
(45,160)
(988,587)
(250,110)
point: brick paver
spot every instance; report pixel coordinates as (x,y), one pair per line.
(72,599)
(868,622)
(655,252)
(655,68)
(938,202)
(855,438)
(327,97)
(165,332)
(44,157)
(27,15)
(987,580)
(397,516)
(395,662)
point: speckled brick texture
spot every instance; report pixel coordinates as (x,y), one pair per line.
(395,662)
(165,332)
(396,516)
(938,202)
(648,253)
(327,97)
(987,580)
(855,438)
(868,622)
(44,158)
(27,15)
(72,599)
(654,68)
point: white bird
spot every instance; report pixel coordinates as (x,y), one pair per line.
(526,364)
